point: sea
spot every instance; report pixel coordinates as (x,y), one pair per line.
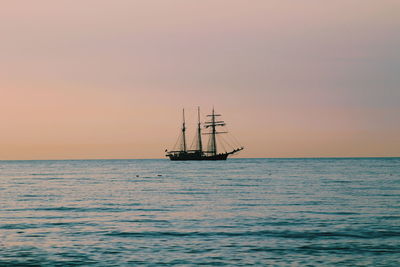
(239,212)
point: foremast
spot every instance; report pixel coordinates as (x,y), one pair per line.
(184,149)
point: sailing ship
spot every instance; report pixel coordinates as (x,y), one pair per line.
(212,151)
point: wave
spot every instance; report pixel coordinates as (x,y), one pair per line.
(263,233)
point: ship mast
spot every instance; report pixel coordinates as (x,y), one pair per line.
(183,131)
(200,145)
(213,124)
(213,135)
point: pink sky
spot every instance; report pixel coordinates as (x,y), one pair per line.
(108,79)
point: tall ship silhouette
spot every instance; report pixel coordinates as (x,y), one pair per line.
(216,147)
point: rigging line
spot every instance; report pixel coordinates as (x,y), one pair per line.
(209,144)
(222,143)
(226,143)
(233,142)
(237,142)
(176,143)
(228,139)
(232,145)
(192,145)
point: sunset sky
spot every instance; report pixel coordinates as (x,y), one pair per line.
(108,79)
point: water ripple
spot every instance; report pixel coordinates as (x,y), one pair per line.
(242,212)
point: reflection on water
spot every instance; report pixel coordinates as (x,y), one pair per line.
(239,212)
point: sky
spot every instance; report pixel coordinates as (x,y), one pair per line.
(100,79)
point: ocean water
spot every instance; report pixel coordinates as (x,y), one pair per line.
(239,212)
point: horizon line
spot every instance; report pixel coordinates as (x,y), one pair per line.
(323,157)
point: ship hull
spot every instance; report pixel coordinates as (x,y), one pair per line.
(196,156)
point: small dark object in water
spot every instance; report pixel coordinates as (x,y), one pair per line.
(159,175)
(137,175)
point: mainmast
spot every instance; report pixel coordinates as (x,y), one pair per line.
(200,145)
(183,132)
(213,123)
(213,135)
